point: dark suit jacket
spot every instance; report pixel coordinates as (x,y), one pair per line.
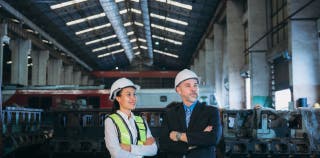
(205,142)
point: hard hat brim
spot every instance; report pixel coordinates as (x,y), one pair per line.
(113,95)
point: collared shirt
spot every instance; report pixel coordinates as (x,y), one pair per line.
(113,145)
(191,107)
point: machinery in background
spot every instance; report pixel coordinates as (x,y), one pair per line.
(22,127)
(64,132)
(270,133)
(246,133)
(70,120)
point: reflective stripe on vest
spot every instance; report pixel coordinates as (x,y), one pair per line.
(142,131)
(124,134)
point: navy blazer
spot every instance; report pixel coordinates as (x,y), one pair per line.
(204,142)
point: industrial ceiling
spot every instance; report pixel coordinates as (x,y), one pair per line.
(123,34)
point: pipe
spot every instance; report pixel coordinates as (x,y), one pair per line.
(147,29)
(112,12)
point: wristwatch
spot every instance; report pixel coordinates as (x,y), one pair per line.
(178,136)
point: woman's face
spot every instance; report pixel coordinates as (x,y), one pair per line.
(127,98)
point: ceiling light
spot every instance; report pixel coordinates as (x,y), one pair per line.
(138,24)
(117,67)
(123,11)
(141,40)
(86,19)
(114,52)
(135,48)
(181,5)
(168,40)
(168,19)
(117,1)
(133,40)
(127,24)
(9,62)
(15,20)
(135,11)
(136,53)
(64,4)
(93,28)
(167,29)
(45,41)
(156,43)
(143,47)
(165,53)
(130,33)
(106,38)
(106,47)
(135,1)
(30,64)
(101,39)
(29,30)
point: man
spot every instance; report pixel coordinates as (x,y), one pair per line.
(190,129)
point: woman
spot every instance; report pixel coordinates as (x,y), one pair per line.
(127,135)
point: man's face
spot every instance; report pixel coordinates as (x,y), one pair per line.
(188,90)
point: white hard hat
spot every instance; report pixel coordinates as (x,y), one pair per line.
(184,75)
(120,84)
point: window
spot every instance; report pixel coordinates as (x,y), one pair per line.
(278,14)
(246,43)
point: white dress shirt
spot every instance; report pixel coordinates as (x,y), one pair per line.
(112,141)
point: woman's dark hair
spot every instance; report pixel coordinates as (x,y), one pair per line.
(116,105)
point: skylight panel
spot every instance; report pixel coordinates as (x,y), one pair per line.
(64,4)
(168,29)
(135,11)
(136,53)
(101,39)
(168,40)
(141,40)
(106,47)
(132,10)
(93,28)
(138,24)
(127,24)
(86,19)
(177,4)
(107,54)
(123,11)
(133,40)
(106,38)
(130,33)
(143,47)
(168,19)
(165,53)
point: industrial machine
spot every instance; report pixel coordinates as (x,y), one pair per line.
(74,128)
(270,133)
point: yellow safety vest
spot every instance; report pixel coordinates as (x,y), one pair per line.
(124,134)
